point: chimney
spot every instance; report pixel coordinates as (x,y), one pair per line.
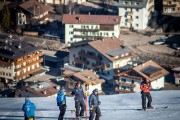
(44,92)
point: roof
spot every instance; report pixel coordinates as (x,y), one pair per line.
(90,19)
(43,89)
(87,76)
(118,51)
(132,3)
(106,45)
(150,67)
(36,8)
(16,49)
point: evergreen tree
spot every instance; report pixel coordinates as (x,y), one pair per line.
(5,18)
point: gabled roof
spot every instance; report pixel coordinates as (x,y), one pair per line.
(90,19)
(16,49)
(140,70)
(36,8)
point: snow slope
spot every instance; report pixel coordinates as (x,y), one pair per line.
(113,107)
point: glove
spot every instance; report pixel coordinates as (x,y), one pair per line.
(91,108)
(99,102)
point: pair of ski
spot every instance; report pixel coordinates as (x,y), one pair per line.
(79,118)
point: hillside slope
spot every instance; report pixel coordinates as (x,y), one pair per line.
(113,107)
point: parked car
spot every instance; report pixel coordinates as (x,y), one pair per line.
(158,42)
(59,78)
(176,46)
(46,68)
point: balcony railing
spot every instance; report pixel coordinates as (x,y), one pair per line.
(86,30)
(87,36)
(126,84)
(129,12)
(77,60)
(89,56)
(150,9)
(27,73)
(29,58)
(169,5)
(107,28)
(30,64)
(130,20)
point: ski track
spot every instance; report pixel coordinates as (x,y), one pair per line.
(113,107)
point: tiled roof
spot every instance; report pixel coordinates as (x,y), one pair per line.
(48,87)
(16,49)
(36,8)
(106,45)
(90,19)
(139,70)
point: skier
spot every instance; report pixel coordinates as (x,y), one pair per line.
(79,99)
(94,105)
(146,87)
(61,102)
(28,109)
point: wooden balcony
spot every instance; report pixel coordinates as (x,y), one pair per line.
(126,84)
(130,20)
(6,64)
(27,73)
(86,30)
(89,56)
(28,58)
(129,12)
(151,8)
(107,27)
(30,64)
(80,61)
(87,36)
(151,1)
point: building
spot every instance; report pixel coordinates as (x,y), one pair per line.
(32,12)
(177,75)
(89,79)
(171,6)
(60,2)
(135,14)
(100,55)
(80,27)
(19,60)
(130,79)
(41,89)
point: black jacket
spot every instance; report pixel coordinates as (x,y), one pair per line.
(93,100)
(79,93)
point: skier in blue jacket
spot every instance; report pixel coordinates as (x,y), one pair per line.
(28,109)
(61,102)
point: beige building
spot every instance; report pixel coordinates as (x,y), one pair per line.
(101,55)
(41,89)
(171,6)
(89,79)
(19,60)
(60,2)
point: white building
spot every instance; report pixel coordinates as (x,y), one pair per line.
(82,27)
(135,13)
(130,80)
(101,55)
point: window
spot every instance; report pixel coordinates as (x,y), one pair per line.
(71,39)
(91,27)
(137,10)
(125,3)
(112,34)
(74,55)
(71,26)
(137,3)
(125,16)
(4,73)
(137,17)
(87,27)
(137,25)
(132,82)
(123,79)
(10,74)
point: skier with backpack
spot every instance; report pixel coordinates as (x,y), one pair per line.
(28,109)
(61,102)
(94,105)
(79,98)
(146,87)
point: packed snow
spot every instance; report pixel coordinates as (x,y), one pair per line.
(113,107)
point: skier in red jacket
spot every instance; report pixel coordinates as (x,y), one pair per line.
(146,87)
